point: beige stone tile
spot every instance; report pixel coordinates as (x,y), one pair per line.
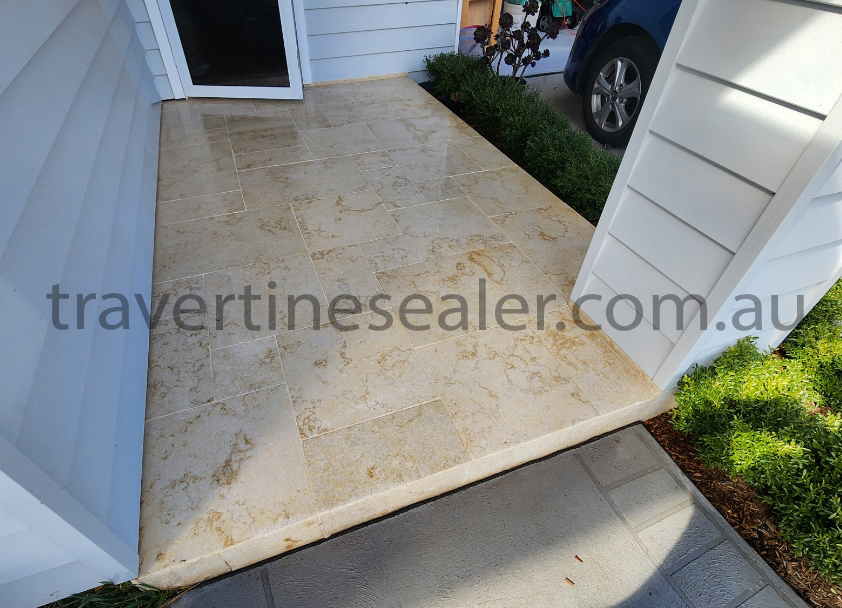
(203,110)
(373,160)
(169,212)
(262,131)
(420,131)
(342,113)
(256,549)
(319,95)
(272,158)
(440,189)
(505,190)
(292,276)
(389,252)
(218,475)
(393,187)
(178,129)
(344,220)
(301,182)
(245,368)
(447,227)
(433,161)
(165,295)
(215,243)
(505,271)
(306,115)
(397,89)
(556,238)
(179,366)
(502,388)
(339,378)
(352,92)
(338,141)
(183,121)
(377,455)
(345,271)
(484,153)
(196,170)
(603,377)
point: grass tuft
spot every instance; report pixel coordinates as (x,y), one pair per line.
(124,595)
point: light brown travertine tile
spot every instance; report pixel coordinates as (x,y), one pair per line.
(196,170)
(373,160)
(174,290)
(272,158)
(179,366)
(339,378)
(393,187)
(215,243)
(169,212)
(556,238)
(341,113)
(344,220)
(245,368)
(390,252)
(208,109)
(606,380)
(218,475)
(343,271)
(398,89)
(292,276)
(420,131)
(178,129)
(262,131)
(320,95)
(484,153)
(374,456)
(306,114)
(502,388)
(433,161)
(301,182)
(440,189)
(338,141)
(505,190)
(505,271)
(447,227)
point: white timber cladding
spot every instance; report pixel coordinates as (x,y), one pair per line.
(360,38)
(80,116)
(731,184)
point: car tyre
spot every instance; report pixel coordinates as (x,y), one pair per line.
(610,104)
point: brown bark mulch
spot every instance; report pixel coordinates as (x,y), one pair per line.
(741,506)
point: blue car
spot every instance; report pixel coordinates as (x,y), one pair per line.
(612,62)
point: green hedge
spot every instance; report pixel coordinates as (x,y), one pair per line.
(529,130)
(773,420)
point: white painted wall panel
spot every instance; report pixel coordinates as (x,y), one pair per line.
(382,41)
(685,255)
(644,344)
(79,156)
(719,188)
(380,17)
(775,37)
(715,202)
(733,128)
(626,272)
(819,224)
(356,38)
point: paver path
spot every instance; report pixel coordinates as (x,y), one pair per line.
(611,523)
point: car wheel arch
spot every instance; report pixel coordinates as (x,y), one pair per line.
(606,39)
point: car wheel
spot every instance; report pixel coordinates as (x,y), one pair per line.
(615,88)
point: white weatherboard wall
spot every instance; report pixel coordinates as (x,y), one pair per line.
(361,38)
(731,183)
(79,118)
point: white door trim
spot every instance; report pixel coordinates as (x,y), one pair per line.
(294,91)
(164,46)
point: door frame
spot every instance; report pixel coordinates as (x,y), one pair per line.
(288,28)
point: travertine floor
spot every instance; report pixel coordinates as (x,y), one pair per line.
(260,437)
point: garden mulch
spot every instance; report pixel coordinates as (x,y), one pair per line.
(744,509)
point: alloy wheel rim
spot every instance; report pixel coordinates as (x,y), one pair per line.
(615,97)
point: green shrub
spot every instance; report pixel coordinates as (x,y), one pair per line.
(529,130)
(759,416)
